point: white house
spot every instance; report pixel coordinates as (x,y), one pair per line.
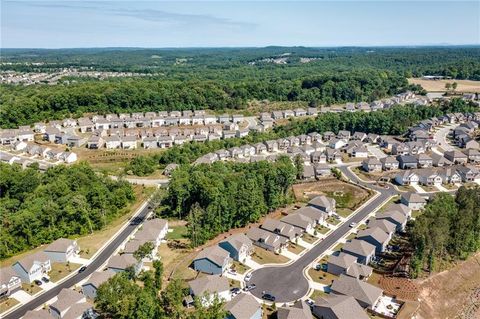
(208,287)
(9,282)
(62,250)
(32,267)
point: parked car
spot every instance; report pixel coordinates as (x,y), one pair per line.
(250,287)
(248,277)
(38,282)
(318,267)
(310,302)
(45,279)
(352,224)
(82,269)
(269,297)
(235,291)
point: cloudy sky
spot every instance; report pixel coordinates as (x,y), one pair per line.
(221,23)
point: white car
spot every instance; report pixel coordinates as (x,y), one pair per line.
(248,277)
(352,224)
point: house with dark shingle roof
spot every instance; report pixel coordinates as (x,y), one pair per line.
(336,306)
(212,260)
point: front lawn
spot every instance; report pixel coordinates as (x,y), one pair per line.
(351,236)
(332,220)
(309,238)
(344,212)
(239,267)
(234,283)
(338,247)
(321,276)
(263,256)
(416,213)
(318,293)
(294,248)
(60,270)
(322,229)
(7,304)
(31,288)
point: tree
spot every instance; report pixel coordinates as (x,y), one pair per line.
(144,251)
(117,298)
(448,86)
(454,86)
(172,298)
(158,273)
(299,166)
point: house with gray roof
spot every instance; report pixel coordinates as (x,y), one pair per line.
(375,236)
(37,314)
(344,263)
(389,163)
(384,224)
(119,263)
(239,246)
(316,215)
(303,222)
(456,157)
(70,304)
(208,287)
(90,287)
(366,294)
(62,250)
(323,203)
(371,164)
(336,306)
(9,282)
(395,217)
(299,310)
(33,267)
(243,306)
(280,228)
(212,260)
(413,201)
(361,249)
(265,239)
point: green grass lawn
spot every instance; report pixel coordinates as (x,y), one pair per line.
(239,267)
(362,227)
(31,288)
(321,276)
(338,247)
(332,220)
(322,229)
(60,270)
(234,283)
(344,212)
(263,256)
(294,248)
(178,232)
(416,213)
(351,236)
(318,293)
(7,304)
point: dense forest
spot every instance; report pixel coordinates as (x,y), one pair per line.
(37,208)
(126,296)
(220,79)
(380,122)
(215,198)
(448,230)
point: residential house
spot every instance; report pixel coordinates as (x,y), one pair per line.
(450,176)
(32,267)
(337,143)
(316,215)
(243,306)
(169,169)
(429,177)
(260,148)
(37,314)
(112,142)
(424,160)
(333,155)
(343,135)
(266,239)
(395,217)
(299,310)
(439,160)
(371,164)
(389,163)
(407,162)
(62,250)
(212,260)
(347,264)
(359,136)
(318,157)
(237,118)
(9,282)
(312,111)
(360,152)
(366,294)
(467,173)
(94,142)
(407,178)
(322,170)
(303,222)
(210,287)
(119,263)
(372,138)
(384,224)
(328,135)
(335,306)
(375,236)
(456,157)
(280,228)
(70,304)
(323,203)
(272,146)
(413,200)
(239,246)
(361,249)
(473,155)
(288,113)
(308,173)
(129,142)
(300,112)
(90,287)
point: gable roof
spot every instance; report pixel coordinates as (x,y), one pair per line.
(60,245)
(340,307)
(238,240)
(243,306)
(298,220)
(215,254)
(122,261)
(322,201)
(413,198)
(99,277)
(384,224)
(375,232)
(66,298)
(359,247)
(27,262)
(299,310)
(311,212)
(38,314)
(356,288)
(209,284)
(343,260)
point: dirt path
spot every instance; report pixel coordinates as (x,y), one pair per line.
(454,293)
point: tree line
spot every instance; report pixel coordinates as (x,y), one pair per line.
(447,230)
(215,198)
(37,208)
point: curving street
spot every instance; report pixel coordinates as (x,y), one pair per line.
(288,283)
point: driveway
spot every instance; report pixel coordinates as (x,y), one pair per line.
(377,152)
(441,137)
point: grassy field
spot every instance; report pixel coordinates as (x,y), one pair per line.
(321,276)
(240,268)
(464,86)
(31,288)
(263,256)
(351,236)
(338,247)
(178,232)
(322,229)
(60,270)
(7,304)
(317,294)
(309,238)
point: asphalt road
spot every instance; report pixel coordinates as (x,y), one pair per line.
(101,258)
(287,283)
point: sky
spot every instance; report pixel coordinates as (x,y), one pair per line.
(226,23)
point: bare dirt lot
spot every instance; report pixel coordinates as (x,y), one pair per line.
(464,86)
(454,293)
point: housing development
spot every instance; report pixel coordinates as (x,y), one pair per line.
(239,160)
